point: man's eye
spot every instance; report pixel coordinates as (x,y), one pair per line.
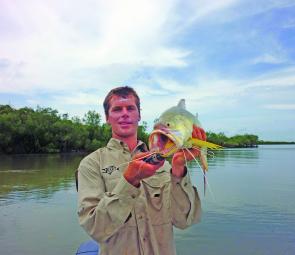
(116,109)
(130,108)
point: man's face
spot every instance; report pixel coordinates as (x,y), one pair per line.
(123,116)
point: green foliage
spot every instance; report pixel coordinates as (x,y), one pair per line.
(42,130)
(92,118)
(142,132)
(274,142)
(219,138)
(246,140)
(45,131)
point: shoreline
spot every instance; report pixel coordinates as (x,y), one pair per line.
(87,152)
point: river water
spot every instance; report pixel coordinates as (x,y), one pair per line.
(249,208)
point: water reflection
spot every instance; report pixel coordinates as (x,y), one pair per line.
(38,176)
(35,176)
(253,211)
(242,156)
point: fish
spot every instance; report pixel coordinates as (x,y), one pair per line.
(173,131)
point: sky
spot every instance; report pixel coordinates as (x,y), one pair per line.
(233,61)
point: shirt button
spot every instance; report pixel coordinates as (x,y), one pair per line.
(109,194)
(185,184)
(133,196)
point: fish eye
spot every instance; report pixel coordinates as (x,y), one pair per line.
(168,124)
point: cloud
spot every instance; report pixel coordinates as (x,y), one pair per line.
(227,57)
(268,59)
(203,9)
(79,99)
(243,9)
(276,79)
(203,94)
(220,96)
(54,44)
(60,50)
(280,106)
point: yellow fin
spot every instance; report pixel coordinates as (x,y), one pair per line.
(204,144)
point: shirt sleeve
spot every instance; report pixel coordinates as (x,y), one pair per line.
(102,213)
(185,202)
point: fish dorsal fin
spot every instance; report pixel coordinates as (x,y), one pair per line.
(181,103)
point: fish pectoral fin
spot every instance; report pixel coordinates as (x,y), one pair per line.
(205,144)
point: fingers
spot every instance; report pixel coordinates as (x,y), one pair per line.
(141,155)
(192,153)
(154,167)
(199,133)
(188,154)
(196,132)
(139,169)
(180,156)
(146,167)
(203,133)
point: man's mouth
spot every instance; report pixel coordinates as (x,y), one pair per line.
(125,123)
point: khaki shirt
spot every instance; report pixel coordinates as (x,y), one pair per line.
(129,220)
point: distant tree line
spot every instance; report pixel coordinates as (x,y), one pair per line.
(276,142)
(237,141)
(44,130)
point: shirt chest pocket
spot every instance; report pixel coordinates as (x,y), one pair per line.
(111,176)
(157,191)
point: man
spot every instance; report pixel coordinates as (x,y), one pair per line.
(128,205)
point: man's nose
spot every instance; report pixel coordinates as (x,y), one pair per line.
(125,111)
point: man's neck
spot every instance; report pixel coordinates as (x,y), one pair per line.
(130,141)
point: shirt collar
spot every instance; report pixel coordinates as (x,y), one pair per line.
(117,144)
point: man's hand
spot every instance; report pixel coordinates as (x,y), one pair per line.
(199,133)
(139,169)
(180,157)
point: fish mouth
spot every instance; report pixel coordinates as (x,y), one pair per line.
(162,142)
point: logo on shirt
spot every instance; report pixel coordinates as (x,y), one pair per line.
(109,170)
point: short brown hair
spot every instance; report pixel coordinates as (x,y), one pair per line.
(123,92)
